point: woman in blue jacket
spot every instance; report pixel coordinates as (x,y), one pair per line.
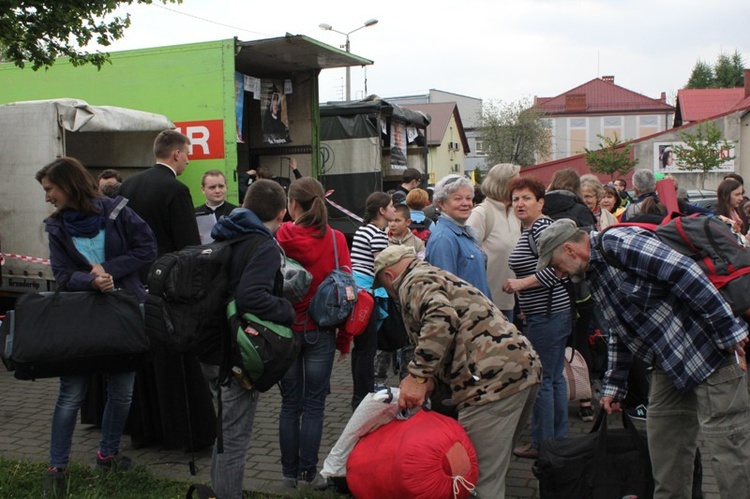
(96,244)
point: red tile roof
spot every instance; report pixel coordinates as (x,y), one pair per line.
(700,103)
(598,96)
(440,113)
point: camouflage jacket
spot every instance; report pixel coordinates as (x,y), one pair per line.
(462,338)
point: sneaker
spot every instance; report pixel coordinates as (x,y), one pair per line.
(316,482)
(638,413)
(114,461)
(55,483)
(288,482)
(586,413)
(526,452)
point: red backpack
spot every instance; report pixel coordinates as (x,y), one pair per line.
(713,246)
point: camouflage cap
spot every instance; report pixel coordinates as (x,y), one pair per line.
(552,237)
(391,256)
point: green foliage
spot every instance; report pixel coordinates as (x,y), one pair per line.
(705,149)
(728,72)
(702,76)
(513,132)
(38,31)
(610,159)
(22,479)
(25,480)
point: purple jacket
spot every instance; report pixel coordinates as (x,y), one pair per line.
(129,245)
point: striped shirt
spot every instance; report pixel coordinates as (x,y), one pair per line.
(368,240)
(662,309)
(522,261)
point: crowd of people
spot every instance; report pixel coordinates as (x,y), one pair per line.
(487,295)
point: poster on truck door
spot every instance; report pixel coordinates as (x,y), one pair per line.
(274,115)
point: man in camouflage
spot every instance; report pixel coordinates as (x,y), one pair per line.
(462,339)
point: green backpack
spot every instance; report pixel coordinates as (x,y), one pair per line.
(264,350)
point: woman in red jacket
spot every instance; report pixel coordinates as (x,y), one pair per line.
(309,240)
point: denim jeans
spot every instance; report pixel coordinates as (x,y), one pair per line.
(549,335)
(238,414)
(69,400)
(304,389)
(363,361)
(719,410)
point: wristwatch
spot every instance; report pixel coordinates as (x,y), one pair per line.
(420,379)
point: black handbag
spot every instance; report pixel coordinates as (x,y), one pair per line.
(605,464)
(70,333)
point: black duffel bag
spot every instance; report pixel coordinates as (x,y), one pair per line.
(69,333)
(605,464)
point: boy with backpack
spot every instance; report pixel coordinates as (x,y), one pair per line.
(257,285)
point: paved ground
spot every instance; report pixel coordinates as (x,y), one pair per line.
(26,408)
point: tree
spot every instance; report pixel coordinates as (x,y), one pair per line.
(612,158)
(706,149)
(514,132)
(702,76)
(38,31)
(728,72)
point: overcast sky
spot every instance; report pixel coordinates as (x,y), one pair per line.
(491,49)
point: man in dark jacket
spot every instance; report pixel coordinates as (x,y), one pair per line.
(160,408)
(258,286)
(160,199)
(410,179)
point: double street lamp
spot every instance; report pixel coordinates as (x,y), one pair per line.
(328,27)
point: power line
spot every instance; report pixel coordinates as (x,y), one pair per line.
(210,21)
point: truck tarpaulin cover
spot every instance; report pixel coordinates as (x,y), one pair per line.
(75,115)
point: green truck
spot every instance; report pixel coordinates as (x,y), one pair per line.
(219,93)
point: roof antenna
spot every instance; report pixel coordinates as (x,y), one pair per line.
(597,64)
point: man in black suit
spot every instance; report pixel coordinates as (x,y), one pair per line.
(160,199)
(160,409)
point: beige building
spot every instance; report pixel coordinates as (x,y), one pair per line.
(447,144)
(600,107)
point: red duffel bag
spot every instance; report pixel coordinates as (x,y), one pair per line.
(422,457)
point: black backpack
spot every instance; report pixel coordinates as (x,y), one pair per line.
(188,291)
(713,246)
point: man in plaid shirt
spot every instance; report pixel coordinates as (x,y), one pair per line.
(661,308)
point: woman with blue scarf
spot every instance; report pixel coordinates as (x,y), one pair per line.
(96,244)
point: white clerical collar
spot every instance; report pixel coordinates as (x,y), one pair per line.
(173,170)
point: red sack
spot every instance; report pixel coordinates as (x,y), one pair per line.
(358,319)
(417,458)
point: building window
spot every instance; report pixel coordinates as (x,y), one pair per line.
(612,122)
(577,122)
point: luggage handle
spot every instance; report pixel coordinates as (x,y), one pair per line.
(600,426)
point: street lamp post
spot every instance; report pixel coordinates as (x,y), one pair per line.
(347,47)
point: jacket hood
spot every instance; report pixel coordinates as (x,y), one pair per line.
(555,201)
(305,241)
(241,221)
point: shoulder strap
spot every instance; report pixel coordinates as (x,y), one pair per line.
(117,209)
(335,249)
(611,260)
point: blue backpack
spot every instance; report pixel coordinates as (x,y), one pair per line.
(334,299)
